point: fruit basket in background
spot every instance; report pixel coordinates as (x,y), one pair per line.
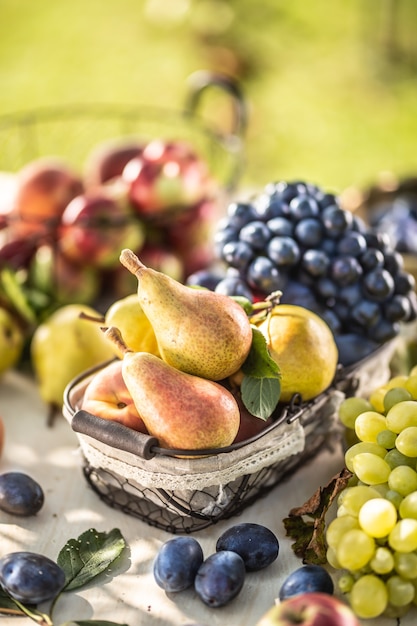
(71,131)
(173,491)
(52,156)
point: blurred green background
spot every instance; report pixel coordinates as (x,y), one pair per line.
(331,87)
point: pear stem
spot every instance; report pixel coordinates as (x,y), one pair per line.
(99,319)
(131,262)
(115,336)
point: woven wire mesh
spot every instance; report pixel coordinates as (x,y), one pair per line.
(179,513)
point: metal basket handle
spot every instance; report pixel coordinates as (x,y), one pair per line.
(201,81)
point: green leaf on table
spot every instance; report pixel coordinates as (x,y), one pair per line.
(88,556)
(261,384)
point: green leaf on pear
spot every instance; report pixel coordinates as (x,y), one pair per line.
(245,303)
(88,556)
(261,383)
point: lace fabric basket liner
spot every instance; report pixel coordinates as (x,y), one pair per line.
(186,494)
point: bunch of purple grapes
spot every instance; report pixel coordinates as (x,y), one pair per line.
(296,238)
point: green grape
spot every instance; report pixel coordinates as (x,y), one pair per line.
(411,386)
(338,527)
(408,506)
(403,479)
(394,396)
(394,458)
(413,371)
(350,408)
(400,591)
(370,468)
(406,441)
(402,415)
(383,561)
(351,499)
(355,550)
(368,425)
(345,582)
(363,446)
(377,517)
(382,489)
(396,612)
(377,398)
(403,537)
(405,564)
(369,597)
(397,381)
(394,497)
(331,558)
(386,438)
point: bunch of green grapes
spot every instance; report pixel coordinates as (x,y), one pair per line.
(373,538)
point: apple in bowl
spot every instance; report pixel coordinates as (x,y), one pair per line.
(97,224)
(166,178)
(43,189)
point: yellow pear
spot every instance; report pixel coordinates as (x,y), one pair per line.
(128,315)
(303,346)
(198,331)
(181,410)
(63,346)
(12,340)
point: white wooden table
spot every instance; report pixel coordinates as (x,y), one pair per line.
(51,456)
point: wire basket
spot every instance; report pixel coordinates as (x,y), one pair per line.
(71,131)
(183,491)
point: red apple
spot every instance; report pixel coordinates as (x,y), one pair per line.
(191,236)
(97,225)
(107,396)
(166,179)
(16,251)
(310,609)
(108,160)
(8,185)
(44,188)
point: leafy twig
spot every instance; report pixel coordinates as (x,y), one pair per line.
(82,560)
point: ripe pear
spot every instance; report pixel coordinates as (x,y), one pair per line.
(12,341)
(128,316)
(181,410)
(63,346)
(198,331)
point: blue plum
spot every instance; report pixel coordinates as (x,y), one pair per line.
(20,494)
(306,579)
(220,578)
(31,578)
(256,544)
(177,563)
